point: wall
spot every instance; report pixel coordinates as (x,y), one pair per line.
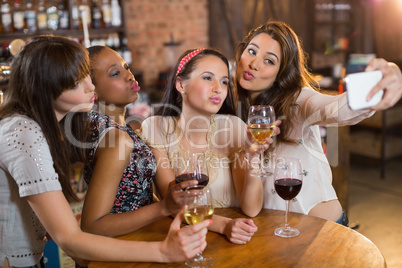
(237,17)
(387,25)
(150,24)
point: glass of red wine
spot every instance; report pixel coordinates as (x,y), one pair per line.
(288,178)
(191,166)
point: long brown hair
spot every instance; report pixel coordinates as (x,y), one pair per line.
(292,76)
(43,69)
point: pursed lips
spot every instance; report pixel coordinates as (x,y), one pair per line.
(93,98)
(216,100)
(135,87)
(248,75)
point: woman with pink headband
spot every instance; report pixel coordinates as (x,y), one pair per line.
(197,115)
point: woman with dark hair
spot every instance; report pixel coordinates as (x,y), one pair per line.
(272,70)
(196,115)
(41,121)
(121,168)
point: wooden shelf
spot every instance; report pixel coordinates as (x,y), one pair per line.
(333,25)
(392,117)
(74,32)
(369,143)
(378,137)
(93,33)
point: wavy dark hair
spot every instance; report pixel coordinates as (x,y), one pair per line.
(292,76)
(46,67)
(171,103)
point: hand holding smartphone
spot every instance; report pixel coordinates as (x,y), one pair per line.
(358,85)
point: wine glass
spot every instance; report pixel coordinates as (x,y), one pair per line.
(261,121)
(191,166)
(198,207)
(288,182)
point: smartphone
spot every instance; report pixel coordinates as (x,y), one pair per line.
(358,85)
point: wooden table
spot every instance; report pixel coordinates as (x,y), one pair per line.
(320,244)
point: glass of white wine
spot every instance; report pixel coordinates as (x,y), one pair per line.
(261,122)
(198,207)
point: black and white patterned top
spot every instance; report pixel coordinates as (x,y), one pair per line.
(135,188)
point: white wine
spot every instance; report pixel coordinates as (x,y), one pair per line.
(198,214)
(261,131)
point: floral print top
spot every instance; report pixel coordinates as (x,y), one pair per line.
(135,188)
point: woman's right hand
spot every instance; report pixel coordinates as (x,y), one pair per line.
(174,198)
(252,146)
(184,243)
(252,149)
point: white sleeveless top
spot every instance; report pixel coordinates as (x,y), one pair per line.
(225,138)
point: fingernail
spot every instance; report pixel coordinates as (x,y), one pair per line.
(209,222)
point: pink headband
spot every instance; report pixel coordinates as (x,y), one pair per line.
(187,58)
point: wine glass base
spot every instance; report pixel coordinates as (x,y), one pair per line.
(200,262)
(286,232)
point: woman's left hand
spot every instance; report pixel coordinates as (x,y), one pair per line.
(391,83)
(240,231)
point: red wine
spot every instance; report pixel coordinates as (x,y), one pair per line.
(288,188)
(201,178)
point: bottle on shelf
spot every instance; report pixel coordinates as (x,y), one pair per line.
(52,16)
(107,13)
(116,43)
(85,13)
(5,54)
(41,15)
(6,16)
(75,14)
(125,51)
(97,18)
(109,41)
(341,81)
(63,15)
(116,13)
(30,17)
(18,16)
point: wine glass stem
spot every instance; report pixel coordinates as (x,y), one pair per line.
(199,257)
(286,215)
(261,162)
